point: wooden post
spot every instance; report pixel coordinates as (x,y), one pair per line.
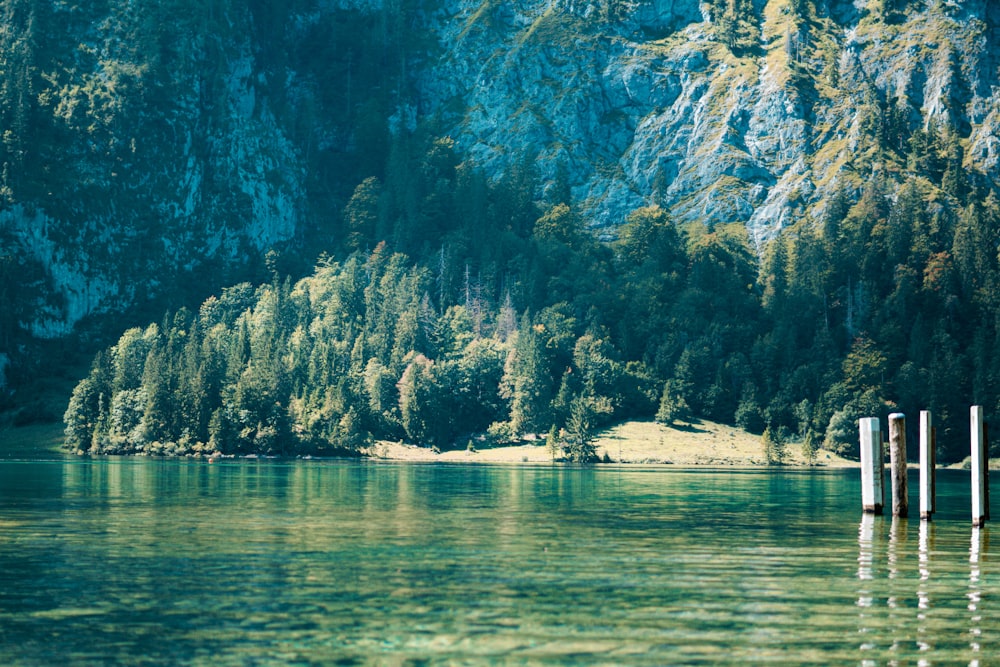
(872,470)
(934,477)
(897,464)
(986,467)
(978,468)
(926,466)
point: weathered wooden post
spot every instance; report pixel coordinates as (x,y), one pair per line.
(872,466)
(979,470)
(934,477)
(927,464)
(897,464)
(986,467)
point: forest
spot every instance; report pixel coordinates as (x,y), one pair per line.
(421,296)
(457,309)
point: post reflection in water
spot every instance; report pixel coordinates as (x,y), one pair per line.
(924,564)
(977,549)
(908,602)
(866,566)
(866,535)
(896,602)
(926,542)
(897,536)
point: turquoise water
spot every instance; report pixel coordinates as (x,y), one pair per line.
(139,561)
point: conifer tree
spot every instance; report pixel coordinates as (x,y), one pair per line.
(673,406)
(773,446)
(526,383)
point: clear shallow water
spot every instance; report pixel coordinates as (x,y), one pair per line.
(142,561)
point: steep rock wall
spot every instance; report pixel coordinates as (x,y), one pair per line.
(643,101)
(143,154)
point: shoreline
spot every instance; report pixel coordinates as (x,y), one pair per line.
(634,443)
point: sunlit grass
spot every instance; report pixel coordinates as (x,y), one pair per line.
(30,440)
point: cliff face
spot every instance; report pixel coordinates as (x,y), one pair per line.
(651,100)
(136,149)
(143,146)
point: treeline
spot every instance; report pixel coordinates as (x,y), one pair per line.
(363,350)
(468,308)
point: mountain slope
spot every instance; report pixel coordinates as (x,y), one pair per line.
(666,101)
(164,149)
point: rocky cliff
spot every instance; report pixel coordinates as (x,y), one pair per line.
(144,143)
(138,146)
(653,100)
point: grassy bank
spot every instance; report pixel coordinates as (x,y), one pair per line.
(31,440)
(635,442)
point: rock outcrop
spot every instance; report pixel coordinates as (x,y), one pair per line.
(641,101)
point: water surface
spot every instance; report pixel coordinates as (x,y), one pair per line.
(141,561)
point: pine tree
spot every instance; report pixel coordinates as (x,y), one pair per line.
(416,408)
(361,214)
(810,448)
(581,428)
(159,387)
(82,415)
(553,443)
(673,406)
(526,382)
(773,446)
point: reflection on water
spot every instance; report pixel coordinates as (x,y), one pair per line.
(152,561)
(920,605)
(977,551)
(866,556)
(925,545)
(866,573)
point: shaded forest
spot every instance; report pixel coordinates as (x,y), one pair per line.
(467,309)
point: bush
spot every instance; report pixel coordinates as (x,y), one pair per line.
(501,433)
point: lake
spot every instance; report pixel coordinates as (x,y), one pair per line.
(144,561)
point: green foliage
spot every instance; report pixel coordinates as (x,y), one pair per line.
(508,317)
(864,366)
(367,349)
(581,427)
(421,404)
(649,242)
(774,447)
(558,224)
(673,405)
(749,415)
(736,24)
(362,213)
(553,443)
(842,429)
(810,447)
(84,410)
(526,382)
